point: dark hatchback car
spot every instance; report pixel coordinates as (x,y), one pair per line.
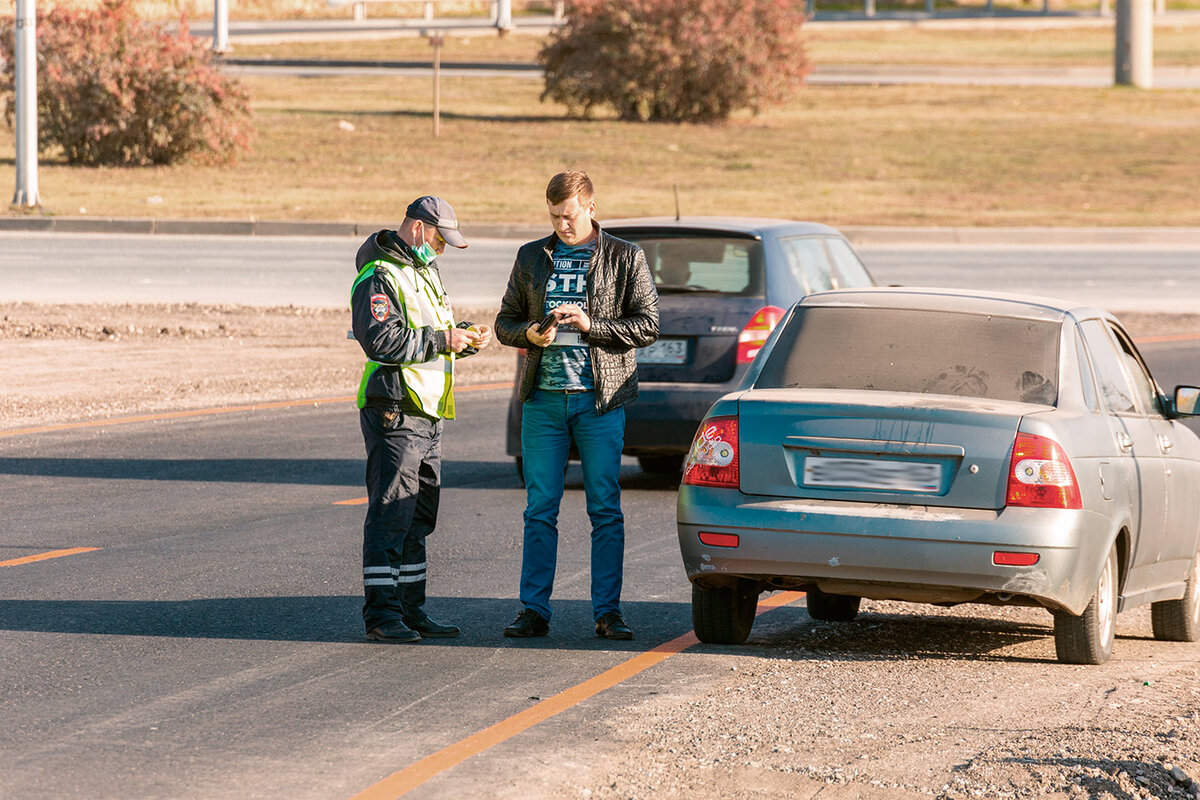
(724,284)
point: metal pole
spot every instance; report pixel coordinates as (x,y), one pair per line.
(220,42)
(1134,52)
(868,8)
(504,21)
(25,72)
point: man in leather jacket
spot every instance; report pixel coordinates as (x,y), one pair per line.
(599,302)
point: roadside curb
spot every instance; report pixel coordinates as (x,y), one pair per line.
(859,235)
(872,236)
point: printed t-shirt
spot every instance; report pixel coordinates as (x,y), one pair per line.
(567,361)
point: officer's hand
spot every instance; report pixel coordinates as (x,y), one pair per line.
(459,339)
(483,336)
(541,339)
(572,314)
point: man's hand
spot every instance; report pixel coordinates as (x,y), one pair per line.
(460,338)
(572,314)
(541,339)
(483,336)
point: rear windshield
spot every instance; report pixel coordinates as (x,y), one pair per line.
(702,264)
(923,352)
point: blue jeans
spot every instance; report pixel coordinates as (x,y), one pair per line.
(550,421)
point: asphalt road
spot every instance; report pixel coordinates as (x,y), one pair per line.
(317,271)
(210,645)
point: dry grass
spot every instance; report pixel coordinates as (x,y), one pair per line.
(826,45)
(898,155)
(859,155)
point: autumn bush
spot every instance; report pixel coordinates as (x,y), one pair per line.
(117,90)
(676,60)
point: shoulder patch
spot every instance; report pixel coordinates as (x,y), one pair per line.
(380,307)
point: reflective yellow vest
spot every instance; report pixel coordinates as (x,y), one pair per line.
(430,384)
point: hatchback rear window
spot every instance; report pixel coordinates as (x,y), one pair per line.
(702,264)
(922,352)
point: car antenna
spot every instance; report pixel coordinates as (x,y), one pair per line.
(675,186)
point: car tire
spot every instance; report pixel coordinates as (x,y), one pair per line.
(1088,638)
(831,607)
(1179,620)
(725,615)
(665,465)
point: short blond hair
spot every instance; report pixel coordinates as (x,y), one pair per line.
(565,185)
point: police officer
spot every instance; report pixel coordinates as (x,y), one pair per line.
(403,320)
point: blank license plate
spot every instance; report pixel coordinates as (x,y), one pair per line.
(870,473)
(664,351)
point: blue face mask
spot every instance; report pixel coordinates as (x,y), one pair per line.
(423,252)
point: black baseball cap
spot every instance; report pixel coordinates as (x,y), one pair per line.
(437,212)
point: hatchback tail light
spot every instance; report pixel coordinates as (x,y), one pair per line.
(756,332)
(713,459)
(1040,475)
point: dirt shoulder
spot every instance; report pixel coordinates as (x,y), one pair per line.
(912,701)
(81,362)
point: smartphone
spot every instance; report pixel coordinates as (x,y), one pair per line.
(547,323)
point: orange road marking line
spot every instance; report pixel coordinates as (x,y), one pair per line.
(201,412)
(358,501)
(1180,337)
(16,562)
(414,775)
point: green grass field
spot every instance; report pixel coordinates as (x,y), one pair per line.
(906,155)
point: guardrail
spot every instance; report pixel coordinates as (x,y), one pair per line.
(501,10)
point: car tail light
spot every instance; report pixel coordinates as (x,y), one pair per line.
(1040,475)
(755,334)
(719,539)
(713,459)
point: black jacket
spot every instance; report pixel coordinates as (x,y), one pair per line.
(389,340)
(622,303)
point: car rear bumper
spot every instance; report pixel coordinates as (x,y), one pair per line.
(913,553)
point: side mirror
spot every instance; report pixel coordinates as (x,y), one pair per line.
(1187,401)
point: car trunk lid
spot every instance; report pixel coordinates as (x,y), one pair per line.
(697,338)
(881,447)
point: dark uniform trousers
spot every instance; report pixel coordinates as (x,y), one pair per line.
(404,476)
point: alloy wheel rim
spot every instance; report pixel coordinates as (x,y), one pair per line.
(1194,590)
(1104,603)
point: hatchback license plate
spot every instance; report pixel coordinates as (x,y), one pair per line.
(664,351)
(872,473)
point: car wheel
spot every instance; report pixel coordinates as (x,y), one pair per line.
(667,465)
(831,607)
(1179,620)
(1088,638)
(725,615)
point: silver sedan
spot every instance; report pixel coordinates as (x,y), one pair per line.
(941,446)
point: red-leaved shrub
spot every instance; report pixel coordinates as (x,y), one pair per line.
(116,90)
(676,60)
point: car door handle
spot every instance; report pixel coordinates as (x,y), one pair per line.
(1164,443)
(1124,442)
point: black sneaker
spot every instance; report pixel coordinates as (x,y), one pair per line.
(393,632)
(612,626)
(431,629)
(528,623)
